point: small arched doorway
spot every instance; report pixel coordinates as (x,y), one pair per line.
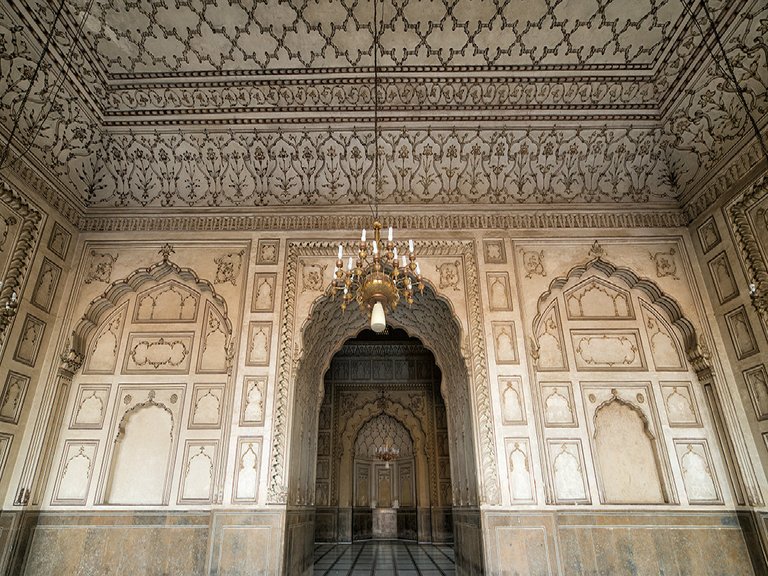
(383,391)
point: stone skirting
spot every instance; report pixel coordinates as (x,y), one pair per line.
(230,543)
(580,543)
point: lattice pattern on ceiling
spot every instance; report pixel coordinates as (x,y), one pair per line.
(164,37)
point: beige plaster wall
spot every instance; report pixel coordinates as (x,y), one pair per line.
(493,282)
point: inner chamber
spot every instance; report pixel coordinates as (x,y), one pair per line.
(382,394)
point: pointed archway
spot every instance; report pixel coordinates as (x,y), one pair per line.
(433,321)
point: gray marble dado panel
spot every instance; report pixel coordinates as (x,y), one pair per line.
(618,543)
(299,541)
(468,542)
(245,543)
(117,543)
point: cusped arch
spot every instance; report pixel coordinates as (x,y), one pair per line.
(103,305)
(662,301)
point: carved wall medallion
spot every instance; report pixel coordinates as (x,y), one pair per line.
(207,408)
(533,263)
(513,409)
(608,350)
(247,466)
(665,264)
(680,403)
(228,267)
(557,404)
(198,472)
(699,476)
(259,343)
(505,342)
(449,275)
(267,251)
(100,267)
(494,251)
(312,276)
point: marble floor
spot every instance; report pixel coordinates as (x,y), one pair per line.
(388,557)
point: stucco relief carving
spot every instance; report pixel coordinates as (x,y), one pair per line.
(16,257)
(757,383)
(740,330)
(749,218)
(512,401)
(499,296)
(90,407)
(267,251)
(723,279)
(259,343)
(214,343)
(103,349)
(74,478)
(664,348)
(701,484)
(263,292)
(30,339)
(596,299)
(228,267)
(494,251)
(312,276)
(449,275)
(207,409)
(12,397)
(607,350)
(547,346)
(505,342)
(169,301)
(246,485)
(533,263)
(100,267)
(709,234)
(566,461)
(198,472)
(58,243)
(46,285)
(519,470)
(680,403)
(253,402)
(6,223)
(558,406)
(160,353)
(665,264)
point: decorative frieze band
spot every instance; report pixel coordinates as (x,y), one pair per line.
(668,218)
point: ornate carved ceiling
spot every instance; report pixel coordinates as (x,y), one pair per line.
(264,103)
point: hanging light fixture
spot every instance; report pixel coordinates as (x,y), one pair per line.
(377,276)
(387,453)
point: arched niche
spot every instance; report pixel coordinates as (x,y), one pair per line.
(349,434)
(625,351)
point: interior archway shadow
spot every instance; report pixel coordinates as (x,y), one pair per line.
(432,320)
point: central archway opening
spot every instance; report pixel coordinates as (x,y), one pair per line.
(383,454)
(434,322)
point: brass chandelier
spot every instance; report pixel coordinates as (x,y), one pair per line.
(379,275)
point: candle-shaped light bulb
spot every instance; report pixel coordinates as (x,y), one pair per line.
(410,246)
(395,254)
(346,290)
(341,251)
(418,269)
(404,263)
(13,296)
(349,263)
(362,237)
(375,248)
(389,236)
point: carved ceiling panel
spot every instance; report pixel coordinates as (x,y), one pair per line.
(250,103)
